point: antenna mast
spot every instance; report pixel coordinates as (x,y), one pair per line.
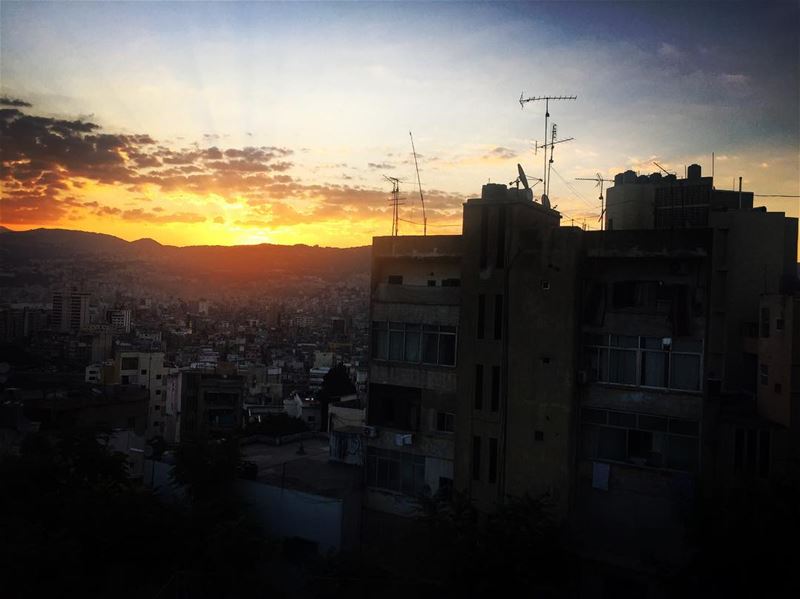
(523,101)
(395,202)
(421,199)
(599,181)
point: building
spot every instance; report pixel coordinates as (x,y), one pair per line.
(210,403)
(145,369)
(120,320)
(415,299)
(70,310)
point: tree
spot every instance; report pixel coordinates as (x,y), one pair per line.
(335,384)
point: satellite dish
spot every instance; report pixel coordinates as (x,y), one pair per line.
(545,200)
(522,176)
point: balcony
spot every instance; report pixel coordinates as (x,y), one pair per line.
(417,294)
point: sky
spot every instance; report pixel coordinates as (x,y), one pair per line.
(239,123)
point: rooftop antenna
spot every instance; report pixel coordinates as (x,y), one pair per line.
(666,172)
(523,178)
(599,181)
(421,199)
(395,202)
(523,101)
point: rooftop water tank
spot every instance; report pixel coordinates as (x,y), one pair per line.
(693,172)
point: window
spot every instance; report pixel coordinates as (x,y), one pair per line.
(481,315)
(498,316)
(157,408)
(415,343)
(538,435)
(476,458)
(396,471)
(158,377)
(144,371)
(779,324)
(484,236)
(492,460)
(641,439)
(545,284)
(765,322)
(501,237)
(478,386)
(778,388)
(395,279)
(495,388)
(661,363)
(764,374)
(451,282)
(445,422)
(431,283)
(158,391)
(130,363)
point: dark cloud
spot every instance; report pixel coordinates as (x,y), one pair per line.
(4,101)
(41,158)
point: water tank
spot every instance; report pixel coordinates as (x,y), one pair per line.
(493,191)
(618,179)
(643,179)
(629,177)
(693,172)
(655,177)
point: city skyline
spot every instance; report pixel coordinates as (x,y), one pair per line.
(275,123)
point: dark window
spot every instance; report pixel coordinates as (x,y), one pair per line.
(750,456)
(129,363)
(738,450)
(495,388)
(144,371)
(476,458)
(594,416)
(538,435)
(445,488)
(498,316)
(492,460)
(478,386)
(445,422)
(779,324)
(158,377)
(481,315)
(158,391)
(431,283)
(545,284)
(451,282)
(447,347)
(395,279)
(501,237)
(396,340)
(132,422)
(157,408)
(380,340)
(778,388)
(765,322)
(764,374)
(763,454)
(484,236)
(624,294)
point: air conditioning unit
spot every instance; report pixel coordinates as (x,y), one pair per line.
(370,431)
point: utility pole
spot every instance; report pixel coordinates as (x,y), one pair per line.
(523,101)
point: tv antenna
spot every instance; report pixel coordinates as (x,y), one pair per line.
(666,172)
(599,181)
(523,101)
(421,199)
(395,202)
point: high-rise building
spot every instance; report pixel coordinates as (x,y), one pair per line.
(70,310)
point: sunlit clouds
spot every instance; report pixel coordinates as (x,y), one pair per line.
(239,123)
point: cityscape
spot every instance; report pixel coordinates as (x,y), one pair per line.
(246,366)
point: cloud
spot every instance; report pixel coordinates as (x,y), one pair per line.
(380,165)
(42,158)
(734,79)
(669,51)
(501,152)
(5,101)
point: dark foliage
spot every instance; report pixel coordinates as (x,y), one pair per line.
(335,384)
